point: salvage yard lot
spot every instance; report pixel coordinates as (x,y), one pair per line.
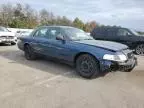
(48,84)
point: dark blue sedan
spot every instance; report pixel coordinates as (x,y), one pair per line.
(75,47)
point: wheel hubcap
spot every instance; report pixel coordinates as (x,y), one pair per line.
(140,49)
(86,66)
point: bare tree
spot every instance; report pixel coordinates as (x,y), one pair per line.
(6,15)
(24,16)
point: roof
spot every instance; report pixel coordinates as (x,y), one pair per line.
(58,26)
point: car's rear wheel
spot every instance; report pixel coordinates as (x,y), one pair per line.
(140,49)
(87,66)
(13,43)
(29,54)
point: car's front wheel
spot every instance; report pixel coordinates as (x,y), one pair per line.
(87,66)
(129,70)
(140,49)
(29,54)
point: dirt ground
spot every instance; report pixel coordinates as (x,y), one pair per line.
(48,84)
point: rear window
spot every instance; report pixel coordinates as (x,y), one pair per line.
(103,32)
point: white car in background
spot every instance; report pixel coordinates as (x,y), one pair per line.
(7,36)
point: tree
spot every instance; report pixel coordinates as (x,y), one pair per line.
(44,16)
(23,16)
(19,18)
(6,14)
(64,21)
(31,19)
(89,26)
(78,23)
(93,24)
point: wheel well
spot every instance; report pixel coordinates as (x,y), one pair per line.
(25,45)
(134,45)
(138,43)
(82,53)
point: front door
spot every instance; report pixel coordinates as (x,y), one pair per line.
(58,48)
(124,36)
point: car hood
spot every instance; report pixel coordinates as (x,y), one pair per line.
(7,34)
(104,44)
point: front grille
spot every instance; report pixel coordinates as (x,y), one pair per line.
(7,37)
(123,68)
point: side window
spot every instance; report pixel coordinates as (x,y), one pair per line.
(41,33)
(52,33)
(123,32)
(48,32)
(111,33)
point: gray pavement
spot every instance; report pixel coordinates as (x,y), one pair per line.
(48,84)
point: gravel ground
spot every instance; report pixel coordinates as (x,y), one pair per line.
(48,84)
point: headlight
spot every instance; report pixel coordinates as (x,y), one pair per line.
(117,57)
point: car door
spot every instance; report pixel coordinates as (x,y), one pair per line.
(99,34)
(110,34)
(59,48)
(124,36)
(41,42)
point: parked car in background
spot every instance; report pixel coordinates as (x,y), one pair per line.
(7,36)
(88,33)
(121,35)
(75,47)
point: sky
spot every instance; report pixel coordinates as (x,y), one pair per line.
(126,13)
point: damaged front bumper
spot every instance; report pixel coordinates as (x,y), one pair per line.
(108,66)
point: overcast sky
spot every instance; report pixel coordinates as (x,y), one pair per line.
(127,13)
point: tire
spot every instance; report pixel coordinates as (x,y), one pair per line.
(29,54)
(87,66)
(129,70)
(13,43)
(139,49)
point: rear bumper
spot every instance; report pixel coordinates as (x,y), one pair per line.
(108,66)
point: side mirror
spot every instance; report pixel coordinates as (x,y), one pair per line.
(59,37)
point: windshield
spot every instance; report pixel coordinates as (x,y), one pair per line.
(2,29)
(77,34)
(134,32)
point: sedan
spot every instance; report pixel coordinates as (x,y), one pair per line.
(7,36)
(73,46)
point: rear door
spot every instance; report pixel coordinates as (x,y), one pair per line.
(103,33)
(98,34)
(110,34)
(40,42)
